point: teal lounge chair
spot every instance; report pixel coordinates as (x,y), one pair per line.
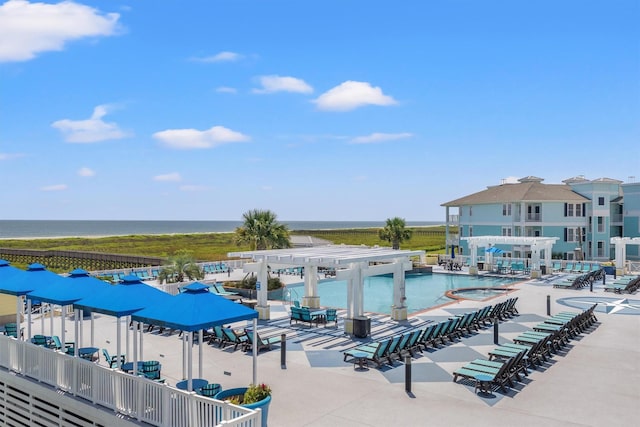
(375,352)
(263,344)
(234,338)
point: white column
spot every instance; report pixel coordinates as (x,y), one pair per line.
(358,291)
(311,298)
(473,258)
(260,268)
(399,308)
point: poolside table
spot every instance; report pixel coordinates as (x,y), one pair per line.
(87,353)
(360,360)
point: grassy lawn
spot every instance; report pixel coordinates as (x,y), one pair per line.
(215,246)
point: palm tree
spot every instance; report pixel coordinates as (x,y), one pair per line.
(395,232)
(261,231)
(180,265)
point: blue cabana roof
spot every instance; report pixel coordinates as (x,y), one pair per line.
(194,309)
(79,284)
(123,299)
(35,277)
(7,271)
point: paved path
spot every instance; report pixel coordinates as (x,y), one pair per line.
(595,381)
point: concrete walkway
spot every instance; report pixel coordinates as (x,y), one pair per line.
(595,381)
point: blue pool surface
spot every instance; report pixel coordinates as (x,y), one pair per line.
(422,290)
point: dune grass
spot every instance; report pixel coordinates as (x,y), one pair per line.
(216,246)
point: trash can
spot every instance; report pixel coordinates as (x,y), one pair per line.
(480,266)
(361,326)
(609,270)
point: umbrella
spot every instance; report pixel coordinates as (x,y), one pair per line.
(195,309)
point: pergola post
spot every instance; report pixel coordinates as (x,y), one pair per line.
(260,268)
(311,298)
(473,262)
(398,309)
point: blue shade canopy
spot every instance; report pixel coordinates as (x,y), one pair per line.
(123,299)
(7,271)
(79,284)
(194,309)
(35,277)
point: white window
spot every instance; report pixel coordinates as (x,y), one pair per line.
(600,201)
(578,209)
(600,224)
(506,231)
(506,209)
(570,209)
(600,249)
(570,235)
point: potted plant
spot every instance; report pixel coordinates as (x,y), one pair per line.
(256,396)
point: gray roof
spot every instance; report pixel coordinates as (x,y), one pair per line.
(528,191)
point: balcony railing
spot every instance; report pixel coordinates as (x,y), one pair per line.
(128,395)
(534,217)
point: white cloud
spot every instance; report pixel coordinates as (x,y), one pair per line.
(190,188)
(27,29)
(380,137)
(86,172)
(273,84)
(173,177)
(9,156)
(351,95)
(93,129)
(56,187)
(185,139)
(226,89)
(220,57)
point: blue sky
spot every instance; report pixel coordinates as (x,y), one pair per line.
(316,110)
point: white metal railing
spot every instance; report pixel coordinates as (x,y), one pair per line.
(633,266)
(133,396)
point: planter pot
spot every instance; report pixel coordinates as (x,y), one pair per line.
(263,405)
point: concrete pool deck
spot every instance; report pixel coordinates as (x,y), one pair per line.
(594,381)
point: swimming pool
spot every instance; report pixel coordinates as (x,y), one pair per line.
(422,290)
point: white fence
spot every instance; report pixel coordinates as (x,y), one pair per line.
(133,396)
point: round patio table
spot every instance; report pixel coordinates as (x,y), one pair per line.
(87,352)
(360,360)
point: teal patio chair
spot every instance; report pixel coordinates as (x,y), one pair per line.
(331,316)
(112,361)
(210,390)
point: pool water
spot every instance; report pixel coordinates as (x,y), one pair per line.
(422,290)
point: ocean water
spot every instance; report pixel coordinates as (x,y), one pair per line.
(11,229)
